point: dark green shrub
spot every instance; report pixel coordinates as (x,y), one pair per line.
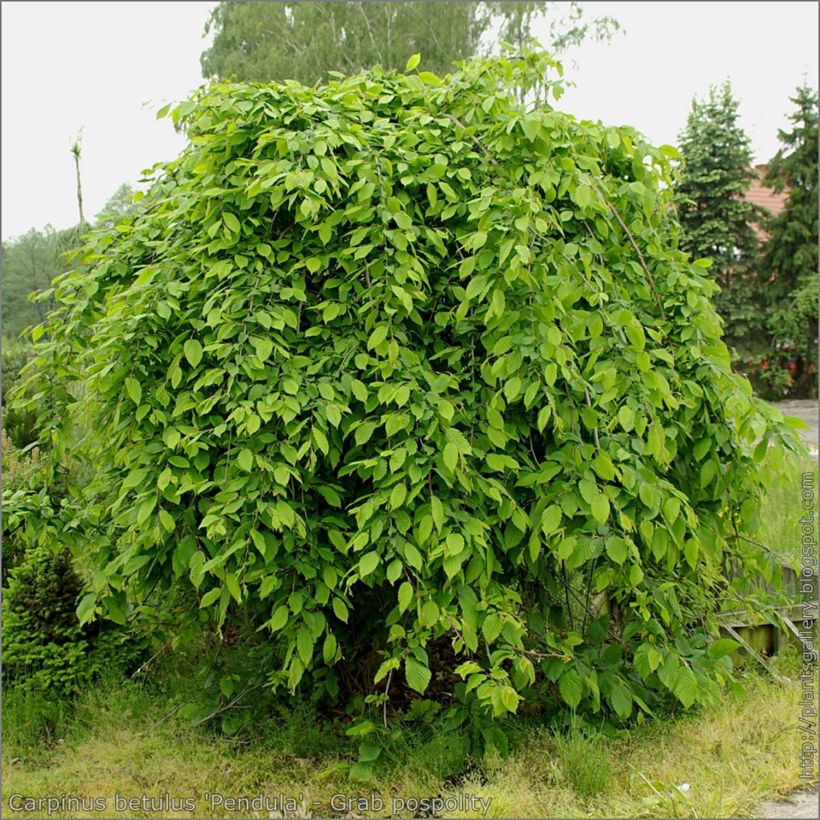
(19,423)
(410,377)
(45,648)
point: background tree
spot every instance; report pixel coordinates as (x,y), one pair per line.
(30,262)
(120,203)
(305,41)
(715,217)
(790,255)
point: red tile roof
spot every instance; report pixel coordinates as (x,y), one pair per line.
(765,197)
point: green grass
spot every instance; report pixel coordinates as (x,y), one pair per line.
(781,510)
(114,741)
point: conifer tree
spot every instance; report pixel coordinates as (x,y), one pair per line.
(714,214)
(790,255)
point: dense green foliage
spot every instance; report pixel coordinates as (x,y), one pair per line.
(44,646)
(306,41)
(790,256)
(416,381)
(715,216)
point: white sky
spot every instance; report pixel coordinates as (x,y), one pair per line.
(106,67)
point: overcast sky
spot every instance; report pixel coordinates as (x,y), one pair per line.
(107,67)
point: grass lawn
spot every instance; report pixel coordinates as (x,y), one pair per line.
(780,526)
(732,755)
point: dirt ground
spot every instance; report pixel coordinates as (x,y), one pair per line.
(799,804)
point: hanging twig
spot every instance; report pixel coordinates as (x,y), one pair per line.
(634,244)
(594,429)
(227,706)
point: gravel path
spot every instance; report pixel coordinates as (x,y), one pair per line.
(806,410)
(799,804)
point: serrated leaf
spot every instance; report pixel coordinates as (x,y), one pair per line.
(414,60)
(571,687)
(86,607)
(621,700)
(686,686)
(491,627)
(551,519)
(417,674)
(397,496)
(304,645)
(600,508)
(616,549)
(512,388)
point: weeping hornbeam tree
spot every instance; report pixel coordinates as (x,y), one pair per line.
(393,367)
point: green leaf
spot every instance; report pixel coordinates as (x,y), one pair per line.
(245,460)
(512,388)
(279,618)
(209,597)
(329,649)
(397,496)
(417,674)
(686,686)
(232,584)
(571,687)
(491,627)
(86,607)
(263,348)
(378,335)
(368,563)
(361,771)
(167,521)
(304,645)
(405,596)
(437,511)
(193,352)
(412,556)
(626,418)
(339,609)
(722,647)
(413,62)
(369,752)
(616,549)
(231,222)
(450,456)
(134,390)
(621,700)
(600,508)
(551,519)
